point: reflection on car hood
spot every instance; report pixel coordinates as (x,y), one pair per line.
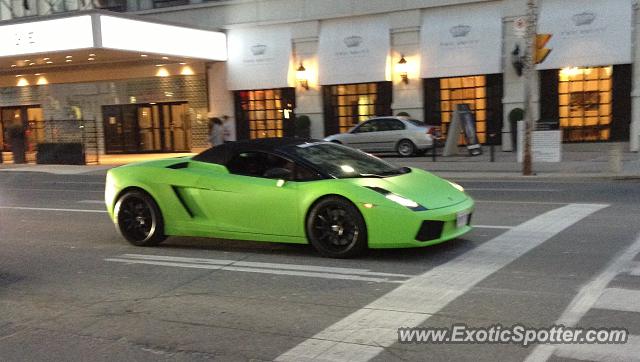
(420,186)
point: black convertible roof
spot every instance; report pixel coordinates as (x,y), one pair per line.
(222,153)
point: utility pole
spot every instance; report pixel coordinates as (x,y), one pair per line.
(529,69)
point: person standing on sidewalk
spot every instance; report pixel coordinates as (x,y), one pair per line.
(216,136)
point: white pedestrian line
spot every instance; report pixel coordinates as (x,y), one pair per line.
(492,227)
(48,190)
(265,268)
(365,333)
(91,202)
(634,268)
(587,298)
(51,209)
(619,299)
(629,351)
(510,189)
(520,202)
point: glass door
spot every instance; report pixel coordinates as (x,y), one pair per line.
(132,128)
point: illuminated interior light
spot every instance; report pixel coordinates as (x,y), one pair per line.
(162,72)
(69,56)
(27,60)
(19,75)
(92,55)
(90,59)
(32,63)
(46,59)
(68,60)
(183,63)
(22,82)
(13,65)
(143,55)
(160,65)
(165,58)
(42,81)
(49,62)
(186,70)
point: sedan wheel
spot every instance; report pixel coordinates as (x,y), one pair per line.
(336,228)
(405,148)
(139,219)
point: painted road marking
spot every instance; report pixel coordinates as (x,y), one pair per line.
(619,299)
(634,268)
(521,202)
(51,209)
(492,227)
(48,190)
(629,351)
(365,333)
(511,189)
(265,268)
(586,298)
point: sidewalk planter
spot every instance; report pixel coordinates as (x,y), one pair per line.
(60,154)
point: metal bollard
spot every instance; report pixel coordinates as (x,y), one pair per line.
(492,147)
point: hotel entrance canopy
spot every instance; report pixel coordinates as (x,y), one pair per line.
(102,37)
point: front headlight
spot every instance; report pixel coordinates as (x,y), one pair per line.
(456,186)
(408,203)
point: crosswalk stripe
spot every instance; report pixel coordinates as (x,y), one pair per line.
(634,268)
(254,264)
(629,351)
(365,333)
(51,209)
(619,299)
(587,298)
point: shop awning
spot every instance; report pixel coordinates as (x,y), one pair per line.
(96,36)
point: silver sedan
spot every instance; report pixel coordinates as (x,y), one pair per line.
(389,134)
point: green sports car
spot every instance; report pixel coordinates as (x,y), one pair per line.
(340,200)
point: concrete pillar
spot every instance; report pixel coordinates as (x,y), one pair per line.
(513,84)
(220,98)
(305,51)
(634,132)
(405,40)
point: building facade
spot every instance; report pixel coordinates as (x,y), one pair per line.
(338,62)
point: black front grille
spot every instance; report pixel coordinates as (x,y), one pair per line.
(430,230)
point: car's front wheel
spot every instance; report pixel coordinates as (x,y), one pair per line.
(336,229)
(139,219)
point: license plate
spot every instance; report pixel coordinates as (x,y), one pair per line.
(462,218)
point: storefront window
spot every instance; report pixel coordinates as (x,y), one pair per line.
(346,105)
(585,103)
(470,90)
(263,113)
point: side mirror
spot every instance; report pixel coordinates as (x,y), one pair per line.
(278,173)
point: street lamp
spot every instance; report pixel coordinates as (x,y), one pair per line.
(301,76)
(403,69)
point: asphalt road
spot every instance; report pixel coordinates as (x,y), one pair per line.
(543,252)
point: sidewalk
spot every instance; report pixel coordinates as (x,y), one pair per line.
(579,161)
(584,160)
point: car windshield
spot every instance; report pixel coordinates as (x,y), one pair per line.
(344,162)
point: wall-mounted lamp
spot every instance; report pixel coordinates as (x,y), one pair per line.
(301,76)
(403,69)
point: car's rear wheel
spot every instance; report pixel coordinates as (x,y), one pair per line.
(405,148)
(139,219)
(336,229)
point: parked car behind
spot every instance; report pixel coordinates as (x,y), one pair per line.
(398,134)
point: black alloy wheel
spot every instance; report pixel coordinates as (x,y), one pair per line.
(139,219)
(336,228)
